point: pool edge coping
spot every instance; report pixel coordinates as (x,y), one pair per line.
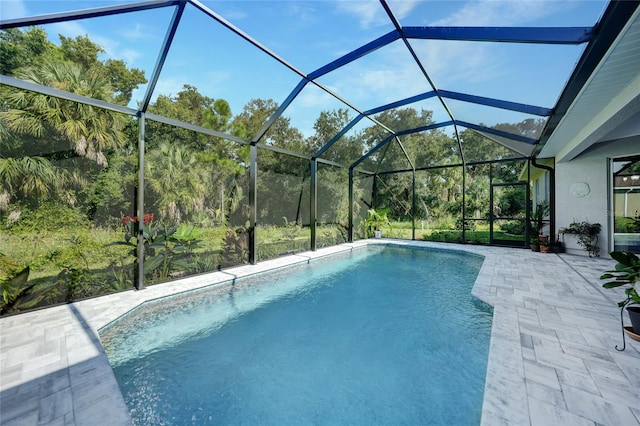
(505,400)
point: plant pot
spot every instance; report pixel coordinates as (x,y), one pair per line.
(543,238)
(557,247)
(377,234)
(634,316)
(534,247)
(544,249)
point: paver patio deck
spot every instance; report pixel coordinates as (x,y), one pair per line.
(552,354)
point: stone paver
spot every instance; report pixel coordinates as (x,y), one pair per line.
(552,357)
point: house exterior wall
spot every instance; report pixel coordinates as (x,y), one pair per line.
(574,203)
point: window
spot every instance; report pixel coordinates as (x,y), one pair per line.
(626,204)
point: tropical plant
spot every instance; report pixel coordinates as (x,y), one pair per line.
(13,283)
(88,130)
(376,220)
(73,132)
(177,180)
(122,276)
(74,275)
(587,235)
(537,216)
(634,223)
(166,248)
(236,247)
(167,252)
(17,292)
(626,273)
(545,245)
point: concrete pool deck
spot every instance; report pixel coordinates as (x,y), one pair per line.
(552,357)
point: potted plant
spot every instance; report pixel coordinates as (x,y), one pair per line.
(587,234)
(627,274)
(536,224)
(375,221)
(544,245)
(534,243)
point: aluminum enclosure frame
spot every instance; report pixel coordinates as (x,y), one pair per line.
(598,38)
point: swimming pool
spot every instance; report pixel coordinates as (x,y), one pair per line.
(383,335)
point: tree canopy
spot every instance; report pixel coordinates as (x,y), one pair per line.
(52,146)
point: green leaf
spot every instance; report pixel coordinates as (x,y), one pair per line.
(120,243)
(614,284)
(15,286)
(186,233)
(181,263)
(152,263)
(621,257)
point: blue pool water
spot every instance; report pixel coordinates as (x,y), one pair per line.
(384,335)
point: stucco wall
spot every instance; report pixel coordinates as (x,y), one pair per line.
(591,168)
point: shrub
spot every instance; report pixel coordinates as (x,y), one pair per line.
(469,225)
(51,216)
(516,227)
(444,236)
(446,222)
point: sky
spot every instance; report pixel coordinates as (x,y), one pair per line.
(308,34)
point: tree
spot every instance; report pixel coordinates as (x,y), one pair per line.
(477,147)
(28,177)
(51,147)
(123,80)
(81,51)
(177,180)
(529,127)
(21,49)
(190,106)
(85,53)
(89,131)
(217,116)
(428,148)
(215,168)
(347,149)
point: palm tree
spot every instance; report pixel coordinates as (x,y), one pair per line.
(177,180)
(89,131)
(39,129)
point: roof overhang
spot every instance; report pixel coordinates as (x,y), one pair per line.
(607,106)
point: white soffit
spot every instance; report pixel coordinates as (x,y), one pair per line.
(609,99)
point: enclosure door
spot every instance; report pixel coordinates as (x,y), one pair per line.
(626,204)
(508,222)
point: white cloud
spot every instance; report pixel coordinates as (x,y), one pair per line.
(68,29)
(312,96)
(112,47)
(217,81)
(402,8)
(369,12)
(129,56)
(13,9)
(135,33)
(168,87)
(389,81)
(452,62)
(301,11)
(501,13)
